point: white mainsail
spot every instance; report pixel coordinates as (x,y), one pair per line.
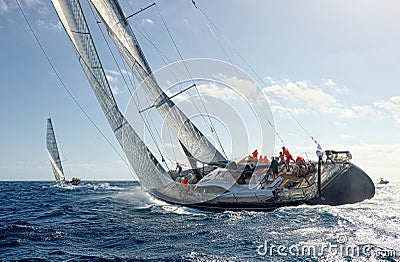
(52,150)
(145,165)
(121,33)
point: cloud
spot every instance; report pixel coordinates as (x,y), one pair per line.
(391,107)
(40,6)
(243,86)
(31,3)
(345,136)
(292,110)
(367,111)
(334,88)
(395,99)
(4,7)
(117,74)
(215,91)
(304,97)
(302,94)
(347,113)
(147,21)
(357,111)
(113,78)
(49,26)
(115,90)
(340,124)
(209,89)
(373,158)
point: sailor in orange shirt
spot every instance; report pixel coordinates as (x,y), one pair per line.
(255,154)
(287,155)
(300,159)
(281,158)
(301,163)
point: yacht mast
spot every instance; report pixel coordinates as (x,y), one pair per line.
(121,33)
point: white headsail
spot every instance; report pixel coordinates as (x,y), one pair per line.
(145,165)
(121,33)
(54,156)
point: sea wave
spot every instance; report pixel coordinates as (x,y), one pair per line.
(103,221)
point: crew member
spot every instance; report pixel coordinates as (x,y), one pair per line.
(178,169)
(287,154)
(300,159)
(255,153)
(185,181)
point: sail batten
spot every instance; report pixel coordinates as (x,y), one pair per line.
(149,171)
(122,35)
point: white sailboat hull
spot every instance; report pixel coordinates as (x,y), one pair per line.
(341,184)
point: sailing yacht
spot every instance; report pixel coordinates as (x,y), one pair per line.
(219,183)
(55,160)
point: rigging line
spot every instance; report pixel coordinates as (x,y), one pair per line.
(180,55)
(213,130)
(257,75)
(147,125)
(138,105)
(176,47)
(145,35)
(207,22)
(159,52)
(127,86)
(66,88)
(145,122)
(163,58)
(126,121)
(152,122)
(109,48)
(141,10)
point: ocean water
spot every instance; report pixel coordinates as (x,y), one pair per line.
(118,221)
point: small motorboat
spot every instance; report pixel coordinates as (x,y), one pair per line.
(383,182)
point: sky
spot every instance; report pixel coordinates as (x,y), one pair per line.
(334,65)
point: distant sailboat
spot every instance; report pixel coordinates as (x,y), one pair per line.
(54,157)
(220,184)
